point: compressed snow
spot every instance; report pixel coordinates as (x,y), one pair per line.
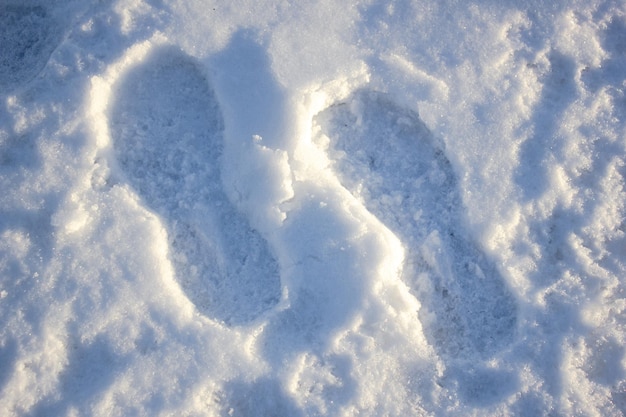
(287,209)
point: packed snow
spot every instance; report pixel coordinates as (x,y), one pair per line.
(257,208)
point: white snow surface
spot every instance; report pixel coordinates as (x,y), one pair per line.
(326,208)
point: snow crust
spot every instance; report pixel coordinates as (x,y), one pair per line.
(257,208)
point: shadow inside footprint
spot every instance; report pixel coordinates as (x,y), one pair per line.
(386,156)
(28,35)
(167,129)
(261,398)
(481,386)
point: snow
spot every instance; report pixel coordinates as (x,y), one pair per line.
(312,209)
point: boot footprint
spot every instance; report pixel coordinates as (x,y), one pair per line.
(167,130)
(386,156)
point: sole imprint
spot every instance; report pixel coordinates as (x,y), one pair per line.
(168,137)
(386,156)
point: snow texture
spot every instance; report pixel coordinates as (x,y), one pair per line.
(168,134)
(258,208)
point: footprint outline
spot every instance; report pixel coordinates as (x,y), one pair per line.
(233,276)
(386,157)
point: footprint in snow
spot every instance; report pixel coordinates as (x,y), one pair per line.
(386,156)
(168,132)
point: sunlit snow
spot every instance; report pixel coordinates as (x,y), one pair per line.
(257,208)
